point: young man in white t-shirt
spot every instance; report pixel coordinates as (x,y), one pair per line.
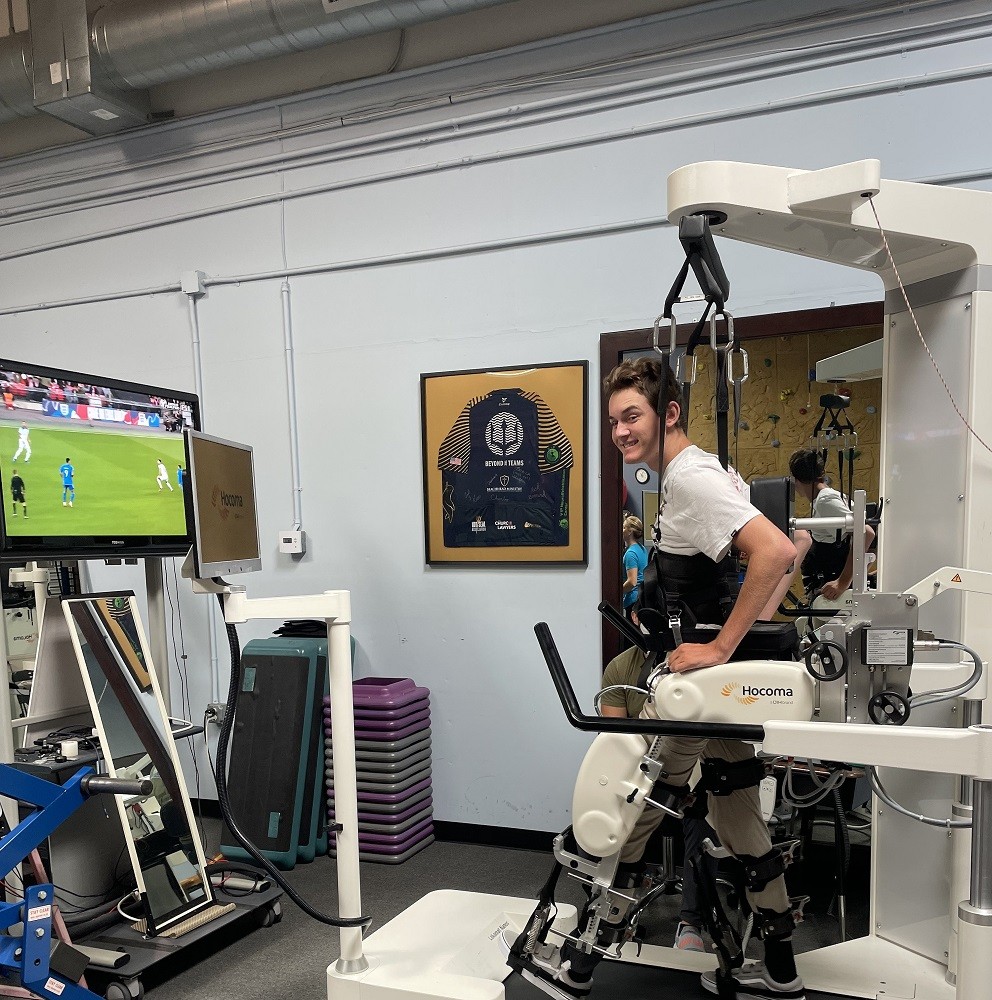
(829,567)
(704,514)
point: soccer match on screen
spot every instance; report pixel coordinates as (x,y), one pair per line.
(90,460)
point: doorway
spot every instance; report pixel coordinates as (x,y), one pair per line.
(780,407)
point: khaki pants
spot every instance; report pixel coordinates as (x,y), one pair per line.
(736,817)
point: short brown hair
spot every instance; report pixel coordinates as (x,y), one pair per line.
(646,376)
(806,466)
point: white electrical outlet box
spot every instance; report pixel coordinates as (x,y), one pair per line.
(293,542)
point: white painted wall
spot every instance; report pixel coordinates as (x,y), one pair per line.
(503,754)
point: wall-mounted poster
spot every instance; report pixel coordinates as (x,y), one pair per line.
(505,464)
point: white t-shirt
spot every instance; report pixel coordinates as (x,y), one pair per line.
(828,503)
(162,473)
(23,433)
(702,506)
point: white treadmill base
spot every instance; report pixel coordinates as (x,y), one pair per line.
(868,967)
(447,946)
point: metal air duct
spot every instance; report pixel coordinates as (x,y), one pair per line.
(16,91)
(96,75)
(141,43)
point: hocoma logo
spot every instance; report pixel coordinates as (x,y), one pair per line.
(749,694)
(224,503)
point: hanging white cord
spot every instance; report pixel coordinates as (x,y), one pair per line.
(919,332)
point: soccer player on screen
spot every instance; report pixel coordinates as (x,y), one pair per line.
(23,444)
(68,488)
(17,493)
(163,476)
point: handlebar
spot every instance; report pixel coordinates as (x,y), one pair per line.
(624,627)
(94,785)
(646,727)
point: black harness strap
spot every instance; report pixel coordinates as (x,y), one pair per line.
(824,433)
(758,872)
(721,777)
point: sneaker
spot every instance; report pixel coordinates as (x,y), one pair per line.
(753,980)
(688,938)
(63,503)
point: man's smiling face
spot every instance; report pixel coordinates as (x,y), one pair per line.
(634,426)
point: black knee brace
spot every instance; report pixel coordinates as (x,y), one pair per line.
(758,872)
(775,925)
(721,777)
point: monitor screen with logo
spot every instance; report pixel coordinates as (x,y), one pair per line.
(221,506)
(90,467)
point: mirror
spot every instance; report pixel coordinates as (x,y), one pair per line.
(136,739)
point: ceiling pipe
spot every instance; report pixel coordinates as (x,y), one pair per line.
(137,44)
(142,43)
(16,89)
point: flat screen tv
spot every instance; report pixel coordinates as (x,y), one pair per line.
(90,467)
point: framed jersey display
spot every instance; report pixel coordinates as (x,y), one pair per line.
(505,464)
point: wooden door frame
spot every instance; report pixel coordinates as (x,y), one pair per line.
(612,347)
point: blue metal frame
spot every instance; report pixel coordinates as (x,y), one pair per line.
(27,954)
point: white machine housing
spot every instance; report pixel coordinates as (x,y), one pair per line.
(749,692)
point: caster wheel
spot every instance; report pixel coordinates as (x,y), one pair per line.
(277,912)
(131,990)
(270,915)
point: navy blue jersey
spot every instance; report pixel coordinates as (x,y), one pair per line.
(504,473)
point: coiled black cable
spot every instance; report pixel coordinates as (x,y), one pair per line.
(225,803)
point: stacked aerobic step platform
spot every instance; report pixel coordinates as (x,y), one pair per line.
(393,757)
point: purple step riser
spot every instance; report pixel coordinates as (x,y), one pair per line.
(368,692)
(375,714)
(376,825)
(391,797)
(389,815)
(388,729)
(391,845)
(406,838)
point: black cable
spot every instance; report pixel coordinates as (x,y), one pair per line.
(220,776)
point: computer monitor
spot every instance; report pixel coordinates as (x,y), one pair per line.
(220,503)
(90,466)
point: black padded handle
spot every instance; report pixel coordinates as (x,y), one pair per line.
(646,727)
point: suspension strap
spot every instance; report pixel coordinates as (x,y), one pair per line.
(839,432)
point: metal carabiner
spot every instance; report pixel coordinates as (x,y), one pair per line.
(731,351)
(680,366)
(656,335)
(730,329)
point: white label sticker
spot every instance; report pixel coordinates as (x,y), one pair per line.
(39,913)
(887,645)
(55,72)
(54,986)
(104,114)
(767,791)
